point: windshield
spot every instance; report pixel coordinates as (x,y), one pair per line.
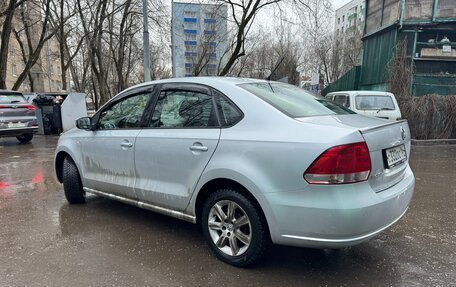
(12,99)
(370,102)
(294,101)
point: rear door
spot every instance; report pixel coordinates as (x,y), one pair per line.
(172,152)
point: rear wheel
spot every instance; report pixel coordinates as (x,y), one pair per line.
(234,228)
(72,184)
(25,138)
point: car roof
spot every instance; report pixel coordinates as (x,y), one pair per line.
(361,92)
(201,80)
(10,92)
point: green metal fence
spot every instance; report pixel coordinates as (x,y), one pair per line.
(377,53)
(348,82)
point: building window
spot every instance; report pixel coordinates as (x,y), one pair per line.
(338,20)
(210,26)
(343,18)
(210,15)
(188,70)
(190,48)
(189,25)
(190,37)
(14,70)
(189,14)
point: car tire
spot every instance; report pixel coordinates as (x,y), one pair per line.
(241,238)
(72,185)
(25,138)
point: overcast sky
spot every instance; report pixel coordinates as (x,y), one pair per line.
(338,3)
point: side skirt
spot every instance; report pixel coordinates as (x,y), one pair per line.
(158,209)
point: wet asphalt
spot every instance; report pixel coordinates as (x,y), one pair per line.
(46,242)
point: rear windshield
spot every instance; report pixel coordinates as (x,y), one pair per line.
(370,102)
(294,101)
(12,99)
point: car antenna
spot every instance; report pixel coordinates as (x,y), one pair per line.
(275,68)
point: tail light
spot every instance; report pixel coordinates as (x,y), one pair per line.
(340,164)
(30,107)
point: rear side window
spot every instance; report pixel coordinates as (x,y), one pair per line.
(228,112)
(369,102)
(12,99)
(293,101)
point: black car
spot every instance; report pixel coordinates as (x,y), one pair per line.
(17,116)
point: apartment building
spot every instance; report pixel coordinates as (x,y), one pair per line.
(46,74)
(350,19)
(198,38)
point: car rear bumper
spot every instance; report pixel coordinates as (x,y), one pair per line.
(336,216)
(12,132)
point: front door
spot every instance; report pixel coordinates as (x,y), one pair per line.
(172,152)
(108,153)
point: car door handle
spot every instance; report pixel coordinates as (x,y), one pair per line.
(198,148)
(126,144)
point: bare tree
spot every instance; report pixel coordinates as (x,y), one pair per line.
(35,26)
(315,17)
(243,14)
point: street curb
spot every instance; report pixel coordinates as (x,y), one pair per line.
(434,142)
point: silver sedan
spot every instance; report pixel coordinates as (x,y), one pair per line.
(252,161)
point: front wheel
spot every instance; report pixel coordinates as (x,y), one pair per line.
(234,228)
(72,185)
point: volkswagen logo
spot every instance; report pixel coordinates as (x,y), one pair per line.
(402,133)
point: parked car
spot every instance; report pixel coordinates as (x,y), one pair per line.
(17,116)
(251,161)
(369,103)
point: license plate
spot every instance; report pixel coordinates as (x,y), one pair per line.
(394,156)
(16,125)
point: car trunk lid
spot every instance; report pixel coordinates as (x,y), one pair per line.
(385,139)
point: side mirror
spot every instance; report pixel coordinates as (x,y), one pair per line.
(84,123)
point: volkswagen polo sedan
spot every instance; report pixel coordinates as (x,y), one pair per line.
(252,161)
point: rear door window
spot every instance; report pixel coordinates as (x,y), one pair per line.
(371,102)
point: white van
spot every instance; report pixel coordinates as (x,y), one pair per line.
(369,103)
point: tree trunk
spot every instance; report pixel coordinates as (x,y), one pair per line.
(6,32)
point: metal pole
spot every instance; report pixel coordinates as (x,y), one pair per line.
(146,43)
(173,66)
